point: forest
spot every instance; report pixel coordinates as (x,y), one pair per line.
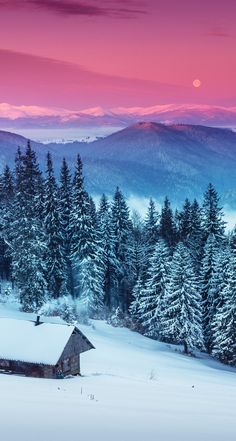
(170,276)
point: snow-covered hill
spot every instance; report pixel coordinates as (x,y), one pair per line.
(132,389)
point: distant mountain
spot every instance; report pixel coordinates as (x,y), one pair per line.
(149,159)
(20,117)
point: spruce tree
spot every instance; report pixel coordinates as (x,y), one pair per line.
(54,258)
(107,253)
(65,205)
(152,297)
(167,227)
(224,325)
(26,233)
(121,230)
(150,235)
(212,223)
(207,277)
(6,211)
(185,222)
(182,318)
(194,241)
(85,248)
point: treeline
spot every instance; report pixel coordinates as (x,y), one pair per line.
(171,276)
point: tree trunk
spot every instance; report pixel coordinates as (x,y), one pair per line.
(186,351)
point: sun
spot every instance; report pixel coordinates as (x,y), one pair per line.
(197,83)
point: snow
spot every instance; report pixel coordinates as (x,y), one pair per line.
(133,389)
(34,344)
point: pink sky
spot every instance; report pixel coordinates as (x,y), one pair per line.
(117,53)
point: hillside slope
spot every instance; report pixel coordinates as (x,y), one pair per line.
(149,159)
(133,388)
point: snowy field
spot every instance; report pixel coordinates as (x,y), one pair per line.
(132,389)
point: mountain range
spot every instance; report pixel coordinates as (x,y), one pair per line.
(42,117)
(148,159)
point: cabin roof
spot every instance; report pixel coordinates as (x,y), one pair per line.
(21,340)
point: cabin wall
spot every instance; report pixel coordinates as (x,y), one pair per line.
(27,369)
(70,359)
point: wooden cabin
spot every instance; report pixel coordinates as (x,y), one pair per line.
(41,349)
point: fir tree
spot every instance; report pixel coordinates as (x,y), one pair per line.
(54,258)
(27,241)
(185,222)
(151,298)
(150,234)
(6,210)
(121,230)
(194,241)
(65,205)
(182,319)
(167,227)
(212,223)
(224,325)
(207,275)
(85,248)
(107,252)
(134,309)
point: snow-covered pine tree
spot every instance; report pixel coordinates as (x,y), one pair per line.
(207,277)
(150,236)
(220,278)
(212,215)
(167,226)
(185,222)
(224,325)
(27,245)
(85,248)
(152,297)
(195,237)
(232,240)
(138,247)
(56,269)
(65,205)
(134,308)
(182,318)
(122,230)
(107,253)
(6,207)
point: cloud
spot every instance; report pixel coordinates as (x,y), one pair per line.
(29,79)
(219,32)
(79,8)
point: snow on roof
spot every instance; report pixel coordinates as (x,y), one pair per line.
(21,340)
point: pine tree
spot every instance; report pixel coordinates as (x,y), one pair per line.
(121,230)
(107,252)
(65,205)
(167,227)
(195,237)
(54,258)
(182,315)
(85,248)
(138,246)
(6,208)
(27,244)
(151,299)
(185,222)
(207,275)
(134,308)
(224,325)
(150,234)
(213,223)
(81,225)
